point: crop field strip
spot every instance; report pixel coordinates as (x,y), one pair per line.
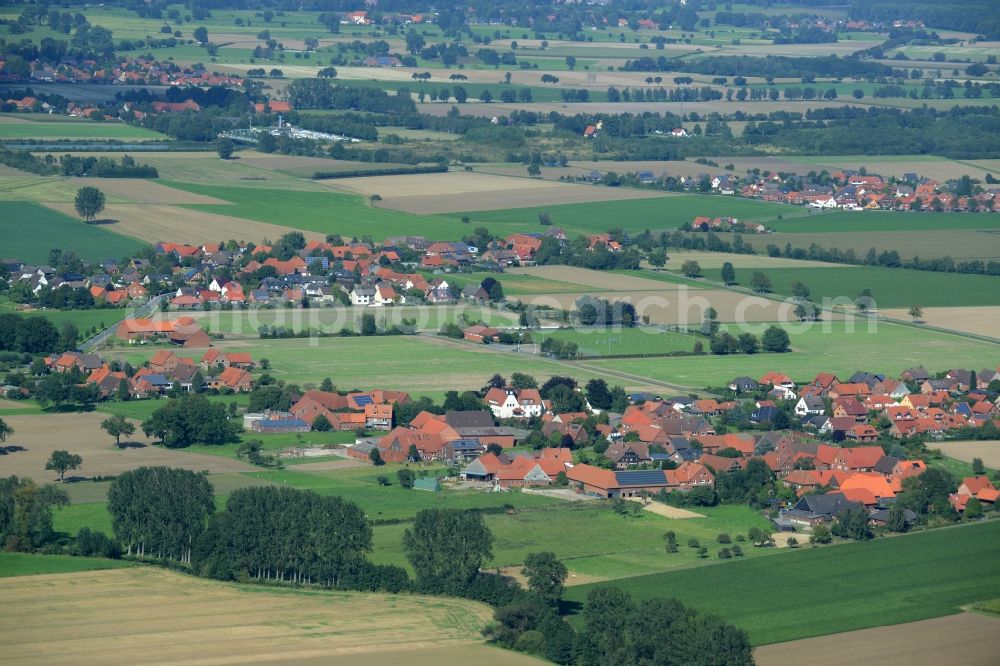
(144,614)
(785,598)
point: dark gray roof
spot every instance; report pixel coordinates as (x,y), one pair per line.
(828,505)
(640,478)
(478,419)
(885,464)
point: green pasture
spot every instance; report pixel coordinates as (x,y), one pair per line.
(822,347)
(30,231)
(641,340)
(632,215)
(842,588)
(323,212)
(421,365)
(615,546)
(333,319)
(890,287)
(864,221)
(83,319)
(88,129)
(30,564)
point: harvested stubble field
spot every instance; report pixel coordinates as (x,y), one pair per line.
(717,259)
(925,166)
(977,320)
(145,615)
(138,190)
(162,222)
(987,450)
(81,433)
(433,193)
(970,639)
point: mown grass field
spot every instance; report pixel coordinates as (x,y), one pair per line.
(332,320)
(30,231)
(29,564)
(855,221)
(606,342)
(632,215)
(21,127)
(841,588)
(422,365)
(823,347)
(890,287)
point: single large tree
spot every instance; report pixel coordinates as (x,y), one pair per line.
(224,147)
(62,462)
(916,312)
(447,547)
(546,575)
(89,202)
(728,273)
(5,431)
(116,426)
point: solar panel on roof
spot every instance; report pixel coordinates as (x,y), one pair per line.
(639,478)
(362,400)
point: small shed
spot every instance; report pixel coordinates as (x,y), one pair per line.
(427,483)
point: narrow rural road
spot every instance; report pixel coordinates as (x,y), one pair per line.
(145,310)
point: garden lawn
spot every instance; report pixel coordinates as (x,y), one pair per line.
(632,215)
(29,231)
(30,564)
(890,287)
(615,546)
(853,222)
(322,212)
(823,347)
(842,588)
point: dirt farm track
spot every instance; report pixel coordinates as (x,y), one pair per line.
(146,615)
(969,639)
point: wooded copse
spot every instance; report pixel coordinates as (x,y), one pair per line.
(160,511)
(282,534)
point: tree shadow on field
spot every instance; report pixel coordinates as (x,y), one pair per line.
(104,221)
(12,448)
(75,479)
(131,445)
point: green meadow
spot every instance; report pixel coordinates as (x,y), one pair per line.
(29,564)
(85,129)
(83,319)
(822,347)
(839,588)
(30,231)
(421,365)
(632,215)
(890,287)
(605,342)
(332,320)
